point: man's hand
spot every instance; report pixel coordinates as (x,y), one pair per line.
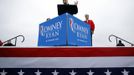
(76,2)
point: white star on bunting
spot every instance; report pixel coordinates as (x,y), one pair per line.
(55,73)
(3,72)
(90,73)
(125,72)
(72,73)
(38,72)
(21,73)
(108,72)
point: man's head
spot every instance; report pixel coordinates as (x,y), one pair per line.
(65,1)
(87,17)
(47,19)
(120,41)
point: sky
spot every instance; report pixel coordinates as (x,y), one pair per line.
(22,17)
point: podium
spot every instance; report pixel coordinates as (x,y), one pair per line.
(64,30)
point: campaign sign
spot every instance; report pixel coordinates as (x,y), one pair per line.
(53,32)
(79,33)
(64,30)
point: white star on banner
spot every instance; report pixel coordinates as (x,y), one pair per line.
(72,73)
(90,73)
(108,72)
(3,73)
(20,73)
(38,72)
(125,72)
(55,73)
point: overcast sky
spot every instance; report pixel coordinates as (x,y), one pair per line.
(24,16)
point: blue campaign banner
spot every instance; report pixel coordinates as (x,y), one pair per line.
(79,32)
(64,30)
(53,32)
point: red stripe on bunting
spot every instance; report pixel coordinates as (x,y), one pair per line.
(65,52)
